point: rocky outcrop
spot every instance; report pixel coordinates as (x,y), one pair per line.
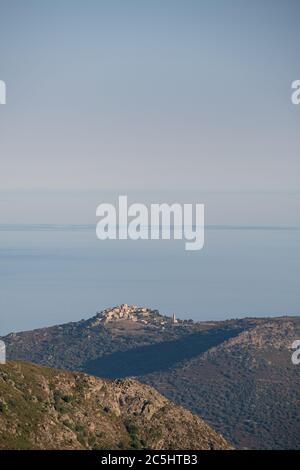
(43,408)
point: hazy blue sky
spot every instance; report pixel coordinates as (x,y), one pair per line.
(149,94)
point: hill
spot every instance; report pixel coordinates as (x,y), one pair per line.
(75,345)
(236,374)
(43,408)
(247,387)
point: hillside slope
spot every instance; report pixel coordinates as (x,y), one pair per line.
(75,345)
(247,387)
(43,408)
(236,374)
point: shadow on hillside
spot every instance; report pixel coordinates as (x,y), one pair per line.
(156,357)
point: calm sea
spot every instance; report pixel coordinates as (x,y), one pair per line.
(53,274)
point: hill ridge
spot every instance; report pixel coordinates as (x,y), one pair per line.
(44,408)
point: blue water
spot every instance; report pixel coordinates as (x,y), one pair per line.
(55,274)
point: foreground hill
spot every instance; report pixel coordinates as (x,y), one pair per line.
(42,408)
(236,374)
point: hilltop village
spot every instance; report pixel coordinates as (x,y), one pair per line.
(136,314)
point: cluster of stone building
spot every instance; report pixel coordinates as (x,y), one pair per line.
(134,313)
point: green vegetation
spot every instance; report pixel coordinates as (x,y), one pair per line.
(237,374)
(43,408)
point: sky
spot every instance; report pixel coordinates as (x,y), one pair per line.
(149,96)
